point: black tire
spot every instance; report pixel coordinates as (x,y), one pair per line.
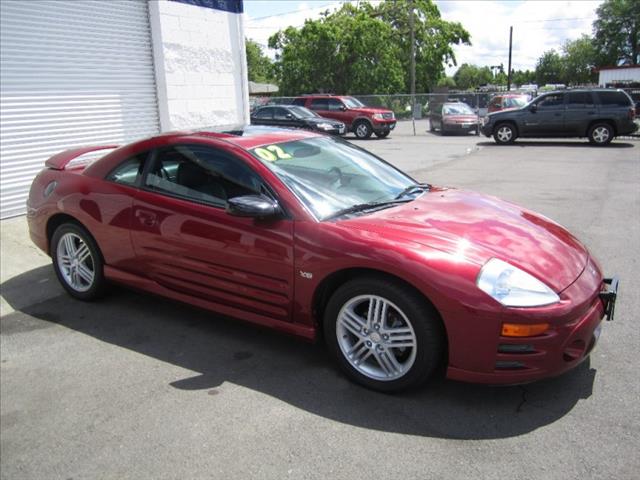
(431,127)
(77,284)
(601,134)
(362,129)
(384,134)
(505,133)
(427,331)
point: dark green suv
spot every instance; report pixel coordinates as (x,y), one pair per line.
(599,114)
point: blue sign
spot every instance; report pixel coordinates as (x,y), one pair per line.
(233,6)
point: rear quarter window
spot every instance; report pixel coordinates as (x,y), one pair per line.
(614,99)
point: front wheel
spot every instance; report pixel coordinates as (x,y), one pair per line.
(384,134)
(383,335)
(77,262)
(363,130)
(504,134)
(601,134)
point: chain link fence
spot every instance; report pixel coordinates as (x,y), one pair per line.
(428,105)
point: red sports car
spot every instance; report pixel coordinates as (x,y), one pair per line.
(316,237)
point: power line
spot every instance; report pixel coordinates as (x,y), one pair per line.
(292,11)
(557,20)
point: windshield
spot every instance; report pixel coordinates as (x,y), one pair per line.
(457,109)
(515,102)
(302,112)
(329,175)
(352,102)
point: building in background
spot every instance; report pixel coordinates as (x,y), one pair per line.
(619,76)
(91,72)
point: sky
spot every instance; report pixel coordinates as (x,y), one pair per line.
(538,25)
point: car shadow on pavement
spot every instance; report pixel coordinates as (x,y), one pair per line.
(220,350)
(526,143)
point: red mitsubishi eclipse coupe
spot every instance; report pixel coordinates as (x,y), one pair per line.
(313,236)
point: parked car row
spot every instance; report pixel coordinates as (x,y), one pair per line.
(333,114)
(598,114)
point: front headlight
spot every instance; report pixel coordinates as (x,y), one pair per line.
(325,126)
(512,287)
(378,116)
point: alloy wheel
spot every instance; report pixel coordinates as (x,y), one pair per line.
(75,262)
(505,134)
(376,337)
(600,134)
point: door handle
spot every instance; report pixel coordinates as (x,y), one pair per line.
(147,218)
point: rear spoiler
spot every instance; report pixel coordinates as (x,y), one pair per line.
(62,159)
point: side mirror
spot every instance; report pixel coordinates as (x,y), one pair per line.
(289,115)
(343,108)
(533,108)
(255,206)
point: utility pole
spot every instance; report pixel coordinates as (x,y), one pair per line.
(509,71)
(413,66)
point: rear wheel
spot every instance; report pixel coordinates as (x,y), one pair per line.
(362,129)
(504,134)
(382,335)
(77,262)
(601,134)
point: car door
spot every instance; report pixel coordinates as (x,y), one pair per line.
(546,119)
(580,110)
(284,118)
(185,240)
(338,111)
(320,106)
(264,116)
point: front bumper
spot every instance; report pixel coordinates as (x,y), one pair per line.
(383,126)
(566,344)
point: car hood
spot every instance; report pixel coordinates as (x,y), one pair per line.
(317,120)
(460,118)
(370,110)
(477,227)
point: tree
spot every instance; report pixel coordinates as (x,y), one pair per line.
(579,61)
(469,77)
(617,32)
(549,68)
(340,52)
(365,49)
(447,82)
(434,39)
(526,77)
(259,66)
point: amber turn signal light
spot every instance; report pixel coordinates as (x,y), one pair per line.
(522,330)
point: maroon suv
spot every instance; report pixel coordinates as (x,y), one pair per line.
(359,119)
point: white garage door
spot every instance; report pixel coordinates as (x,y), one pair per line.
(71,73)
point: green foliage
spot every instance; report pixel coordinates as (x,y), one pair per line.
(617,32)
(549,68)
(469,77)
(365,49)
(259,66)
(447,82)
(523,77)
(578,62)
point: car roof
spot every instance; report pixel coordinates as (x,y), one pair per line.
(251,136)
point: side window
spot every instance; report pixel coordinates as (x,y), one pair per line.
(129,171)
(264,113)
(579,100)
(300,102)
(614,99)
(280,113)
(495,102)
(551,102)
(335,105)
(319,104)
(201,174)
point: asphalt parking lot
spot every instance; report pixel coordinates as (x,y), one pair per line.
(140,387)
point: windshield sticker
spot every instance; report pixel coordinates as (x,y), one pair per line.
(272,153)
